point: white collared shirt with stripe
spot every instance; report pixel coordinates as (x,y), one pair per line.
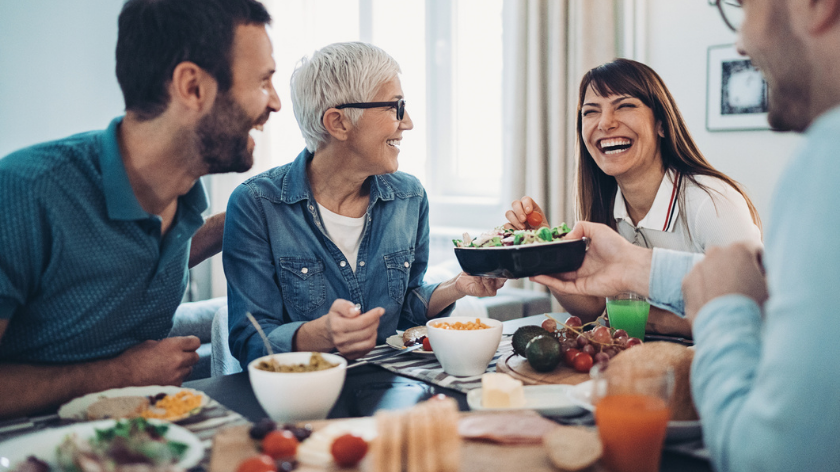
(712,220)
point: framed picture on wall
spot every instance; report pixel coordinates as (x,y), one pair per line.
(736,94)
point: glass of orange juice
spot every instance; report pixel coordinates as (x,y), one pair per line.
(632,410)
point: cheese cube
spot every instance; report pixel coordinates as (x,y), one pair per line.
(501,391)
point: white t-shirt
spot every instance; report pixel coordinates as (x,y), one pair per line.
(345,232)
(712,220)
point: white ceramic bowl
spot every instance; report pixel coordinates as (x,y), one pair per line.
(297,396)
(464,353)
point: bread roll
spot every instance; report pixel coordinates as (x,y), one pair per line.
(572,447)
(411,335)
(659,356)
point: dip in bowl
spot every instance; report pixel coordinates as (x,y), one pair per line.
(297,396)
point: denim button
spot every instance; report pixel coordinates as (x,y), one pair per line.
(304,270)
(406,264)
(342,264)
(362,263)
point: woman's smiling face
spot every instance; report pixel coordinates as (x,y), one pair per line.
(620,133)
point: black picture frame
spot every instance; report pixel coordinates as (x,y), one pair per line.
(736,92)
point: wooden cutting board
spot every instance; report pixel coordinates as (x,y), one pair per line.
(518,368)
(232,445)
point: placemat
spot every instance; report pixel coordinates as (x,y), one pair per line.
(428,369)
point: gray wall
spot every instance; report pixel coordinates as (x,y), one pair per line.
(56,69)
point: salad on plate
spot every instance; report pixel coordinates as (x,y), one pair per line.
(504,237)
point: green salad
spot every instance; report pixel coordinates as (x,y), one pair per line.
(134,441)
(501,236)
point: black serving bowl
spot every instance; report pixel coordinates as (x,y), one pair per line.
(513,262)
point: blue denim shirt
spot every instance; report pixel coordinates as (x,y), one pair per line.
(764,377)
(283,268)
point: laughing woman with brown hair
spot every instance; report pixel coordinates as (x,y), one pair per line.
(641,173)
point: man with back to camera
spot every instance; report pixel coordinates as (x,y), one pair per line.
(764,373)
(96,228)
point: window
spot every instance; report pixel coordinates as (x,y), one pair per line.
(450,52)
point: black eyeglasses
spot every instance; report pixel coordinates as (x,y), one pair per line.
(399,105)
(731,12)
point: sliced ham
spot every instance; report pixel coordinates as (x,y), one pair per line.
(506,428)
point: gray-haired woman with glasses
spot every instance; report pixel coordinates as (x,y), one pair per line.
(329,252)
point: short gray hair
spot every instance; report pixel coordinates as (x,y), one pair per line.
(337,74)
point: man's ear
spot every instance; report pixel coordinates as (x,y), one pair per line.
(192,87)
(337,124)
(822,15)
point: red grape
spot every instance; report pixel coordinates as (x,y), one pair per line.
(633,342)
(549,325)
(582,341)
(601,335)
(602,358)
(620,333)
(574,322)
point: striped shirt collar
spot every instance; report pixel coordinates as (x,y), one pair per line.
(664,211)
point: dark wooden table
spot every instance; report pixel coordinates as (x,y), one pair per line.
(370,388)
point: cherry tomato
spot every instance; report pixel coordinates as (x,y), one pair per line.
(583,362)
(427,345)
(534,219)
(261,463)
(280,444)
(570,356)
(348,450)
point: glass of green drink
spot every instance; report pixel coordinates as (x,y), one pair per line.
(628,311)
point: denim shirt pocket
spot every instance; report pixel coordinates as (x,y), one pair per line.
(399,266)
(303,283)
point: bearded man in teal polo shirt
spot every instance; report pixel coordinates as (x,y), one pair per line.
(96,229)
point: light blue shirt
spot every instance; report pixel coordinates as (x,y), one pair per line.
(768,393)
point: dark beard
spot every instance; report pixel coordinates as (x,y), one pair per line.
(223,137)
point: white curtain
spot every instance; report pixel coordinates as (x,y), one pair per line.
(548,46)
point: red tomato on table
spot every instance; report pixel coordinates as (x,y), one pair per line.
(261,463)
(427,345)
(348,450)
(280,444)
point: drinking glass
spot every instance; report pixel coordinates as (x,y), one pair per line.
(628,311)
(632,410)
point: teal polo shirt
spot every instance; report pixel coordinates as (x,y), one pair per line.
(84,272)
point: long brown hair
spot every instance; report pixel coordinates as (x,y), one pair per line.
(597,190)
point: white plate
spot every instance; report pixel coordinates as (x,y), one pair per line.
(396,342)
(76,409)
(315,450)
(581,394)
(549,400)
(43,444)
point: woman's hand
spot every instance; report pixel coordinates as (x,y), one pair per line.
(478,286)
(525,214)
(352,332)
